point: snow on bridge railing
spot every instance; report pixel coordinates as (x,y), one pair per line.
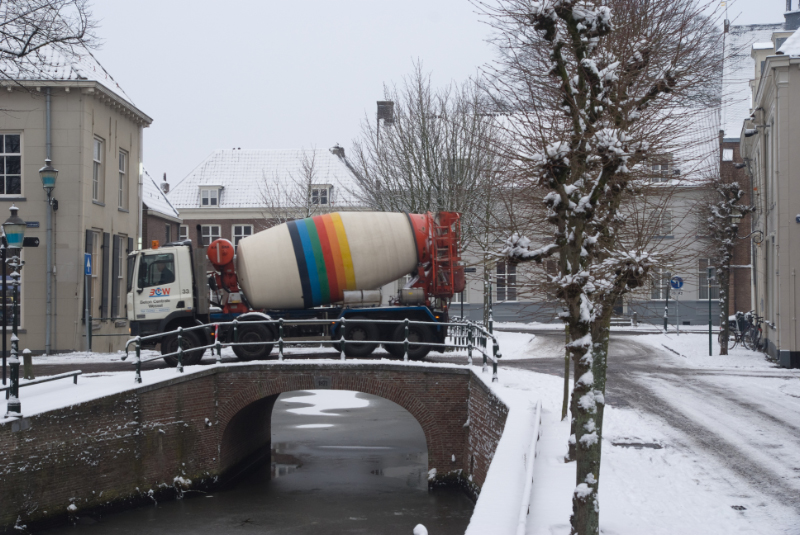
(464,334)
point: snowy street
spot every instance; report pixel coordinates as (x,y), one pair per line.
(694,444)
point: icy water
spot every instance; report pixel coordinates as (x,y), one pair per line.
(357,469)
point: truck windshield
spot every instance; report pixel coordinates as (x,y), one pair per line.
(131,264)
(156,270)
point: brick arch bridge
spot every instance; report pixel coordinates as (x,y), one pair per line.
(207,424)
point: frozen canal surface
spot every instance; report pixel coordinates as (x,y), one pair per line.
(356,469)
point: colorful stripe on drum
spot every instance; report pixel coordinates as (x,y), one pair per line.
(323,258)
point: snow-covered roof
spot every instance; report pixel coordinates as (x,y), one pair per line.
(154,198)
(264,178)
(791,47)
(737,71)
(49,63)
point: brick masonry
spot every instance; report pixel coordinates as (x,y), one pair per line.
(155,228)
(145,443)
(740,275)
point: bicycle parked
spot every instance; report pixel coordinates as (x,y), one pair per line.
(744,328)
(737,327)
(753,339)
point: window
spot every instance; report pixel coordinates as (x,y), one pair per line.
(10,165)
(131,264)
(123,180)
(210,233)
(727,155)
(664,226)
(659,283)
(457,297)
(167,233)
(97,170)
(209,197)
(663,172)
(506,282)
(156,270)
(241,231)
(702,276)
(183,233)
(320,195)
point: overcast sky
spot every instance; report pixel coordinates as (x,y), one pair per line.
(266,74)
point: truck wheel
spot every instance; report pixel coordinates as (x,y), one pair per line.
(254,334)
(357,332)
(191,356)
(416,334)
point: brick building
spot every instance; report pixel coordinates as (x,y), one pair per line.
(160,220)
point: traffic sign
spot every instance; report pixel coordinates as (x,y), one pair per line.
(676,283)
(87,263)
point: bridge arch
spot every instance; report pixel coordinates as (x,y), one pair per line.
(245,418)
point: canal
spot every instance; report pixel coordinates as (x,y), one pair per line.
(342,463)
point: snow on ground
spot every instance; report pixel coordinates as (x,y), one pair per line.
(693,351)
(655,479)
(651,481)
(641,327)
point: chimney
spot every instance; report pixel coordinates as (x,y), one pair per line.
(386,111)
(165,184)
(792,17)
(338,151)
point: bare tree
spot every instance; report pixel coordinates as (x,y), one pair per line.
(433,155)
(597,87)
(723,212)
(31,28)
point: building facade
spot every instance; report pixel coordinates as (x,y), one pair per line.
(160,220)
(767,144)
(95,135)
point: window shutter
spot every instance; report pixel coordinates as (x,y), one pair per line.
(115,282)
(130,246)
(104,273)
(87,249)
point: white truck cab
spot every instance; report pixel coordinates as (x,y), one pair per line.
(162,286)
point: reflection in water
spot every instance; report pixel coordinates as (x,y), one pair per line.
(365,471)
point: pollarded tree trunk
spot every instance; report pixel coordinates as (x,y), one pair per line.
(723,277)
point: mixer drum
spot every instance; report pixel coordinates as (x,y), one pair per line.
(311,262)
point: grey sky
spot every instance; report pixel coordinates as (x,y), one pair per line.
(268,74)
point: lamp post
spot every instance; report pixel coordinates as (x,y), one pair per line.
(14,232)
(49,174)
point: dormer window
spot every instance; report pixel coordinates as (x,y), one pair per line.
(663,170)
(321,194)
(209,197)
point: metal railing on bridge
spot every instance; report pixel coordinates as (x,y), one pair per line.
(463,334)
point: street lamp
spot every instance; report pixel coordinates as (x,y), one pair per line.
(49,174)
(14,233)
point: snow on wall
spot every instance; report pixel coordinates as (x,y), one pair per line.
(498,507)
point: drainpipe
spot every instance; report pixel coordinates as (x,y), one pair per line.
(141,183)
(49,278)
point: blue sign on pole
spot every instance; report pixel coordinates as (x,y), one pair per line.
(676,283)
(87,263)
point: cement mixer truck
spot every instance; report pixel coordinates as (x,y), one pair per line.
(322,268)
